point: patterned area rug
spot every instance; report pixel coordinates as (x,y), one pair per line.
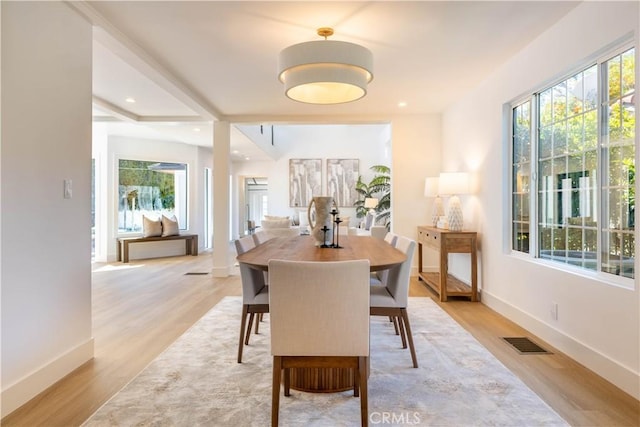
(197,381)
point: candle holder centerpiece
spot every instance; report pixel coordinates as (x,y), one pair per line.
(324,230)
(338,221)
(336,228)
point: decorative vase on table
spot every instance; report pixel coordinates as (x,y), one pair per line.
(321,220)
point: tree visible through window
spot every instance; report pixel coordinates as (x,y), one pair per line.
(521,176)
(567,170)
(584,158)
(618,158)
(151,189)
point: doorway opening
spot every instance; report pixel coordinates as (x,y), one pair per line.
(256,202)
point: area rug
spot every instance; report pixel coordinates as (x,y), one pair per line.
(197,381)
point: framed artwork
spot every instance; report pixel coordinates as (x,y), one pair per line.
(342,175)
(305,181)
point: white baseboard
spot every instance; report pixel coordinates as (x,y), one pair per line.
(221,271)
(619,375)
(30,386)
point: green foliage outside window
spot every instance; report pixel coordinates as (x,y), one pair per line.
(574,146)
(148,188)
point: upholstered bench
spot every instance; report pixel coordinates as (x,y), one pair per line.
(191,244)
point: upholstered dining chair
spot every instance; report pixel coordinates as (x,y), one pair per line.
(392,299)
(319,315)
(380,277)
(255,294)
(260,236)
(378,231)
(391,238)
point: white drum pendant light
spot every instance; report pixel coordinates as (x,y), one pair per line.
(325,71)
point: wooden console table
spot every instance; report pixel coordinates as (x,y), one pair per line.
(446,242)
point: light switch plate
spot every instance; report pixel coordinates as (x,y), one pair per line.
(68,189)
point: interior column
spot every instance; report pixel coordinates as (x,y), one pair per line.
(221,198)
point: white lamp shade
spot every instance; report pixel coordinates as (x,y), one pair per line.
(370,202)
(325,71)
(431,186)
(454,183)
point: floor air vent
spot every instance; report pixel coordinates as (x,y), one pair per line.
(525,346)
(196,274)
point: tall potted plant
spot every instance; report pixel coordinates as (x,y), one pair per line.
(380,188)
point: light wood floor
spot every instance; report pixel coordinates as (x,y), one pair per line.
(142,307)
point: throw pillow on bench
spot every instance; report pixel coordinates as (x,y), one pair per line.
(160,227)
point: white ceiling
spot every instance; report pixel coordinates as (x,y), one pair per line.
(187,63)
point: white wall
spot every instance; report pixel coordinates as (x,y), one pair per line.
(416,148)
(598,324)
(46,138)
(118,147)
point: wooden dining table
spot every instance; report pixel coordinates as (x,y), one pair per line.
(381,256)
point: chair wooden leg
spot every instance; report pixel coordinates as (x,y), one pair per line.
(364,391)
(287,382)
(394,320)
(258,320)
(356,382)
(246,339)
(403,333)
(405,319)
(275,393)
(243,320)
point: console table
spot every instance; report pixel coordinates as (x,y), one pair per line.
(446,242)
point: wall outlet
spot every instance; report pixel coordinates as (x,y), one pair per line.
(553,310)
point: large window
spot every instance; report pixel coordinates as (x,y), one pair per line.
(150,189)
(577,139)
(521,176)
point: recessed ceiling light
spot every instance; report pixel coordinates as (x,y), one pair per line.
(130,100)
(196,129)
(235,151)
(402,104)
(246,158)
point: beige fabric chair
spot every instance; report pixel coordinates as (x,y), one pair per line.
(378,231)
(391,238)
(261,236)
(319,314)
(392,299)
(255,294)
(380,277)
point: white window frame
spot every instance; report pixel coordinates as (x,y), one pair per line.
(532,255)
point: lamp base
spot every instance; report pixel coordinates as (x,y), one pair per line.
(438,211)
(454,215)
(443,223)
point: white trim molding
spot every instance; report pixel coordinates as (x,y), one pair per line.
(621,376)
(33,384)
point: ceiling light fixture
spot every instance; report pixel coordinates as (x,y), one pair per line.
(130,100)
(325,71)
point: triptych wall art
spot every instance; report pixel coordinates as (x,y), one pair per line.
(305,181)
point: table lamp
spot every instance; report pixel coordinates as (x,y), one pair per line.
(371,203)
(431,190)
(453,184)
